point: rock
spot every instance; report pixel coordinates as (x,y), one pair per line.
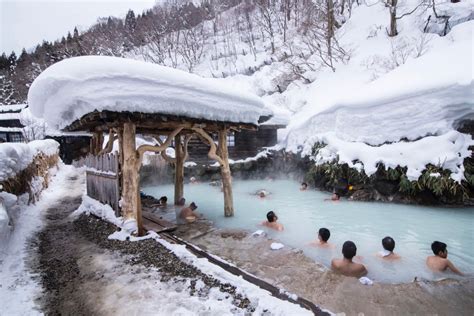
(363,195)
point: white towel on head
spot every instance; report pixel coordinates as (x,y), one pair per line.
(276,246)
(258,233)
(366,281)
(385,253)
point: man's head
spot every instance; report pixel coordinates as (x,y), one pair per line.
(388,243)
(164,199)
(304,185)
(271,217)
(182,201)
(439,249)
(261,194)
(349,250)
(193,206)
(324,234)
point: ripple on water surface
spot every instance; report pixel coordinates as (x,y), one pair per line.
(303,213)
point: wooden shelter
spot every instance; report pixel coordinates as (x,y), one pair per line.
(124,126)
(124,97)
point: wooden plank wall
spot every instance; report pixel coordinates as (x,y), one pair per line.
(102,178)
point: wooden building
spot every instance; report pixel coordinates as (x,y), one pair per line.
(241,144)
(11,127)
(72,146)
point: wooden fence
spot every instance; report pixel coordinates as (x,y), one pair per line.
(102,178)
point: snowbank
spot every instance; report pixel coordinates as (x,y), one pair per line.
(73,87)
(426,96)
(19,287)
(14,157)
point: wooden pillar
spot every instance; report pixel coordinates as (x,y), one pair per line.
(96,143)
(179,170)
(225,174)
(131,203)
(92,144)
(100,143)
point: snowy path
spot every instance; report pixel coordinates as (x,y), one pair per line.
(18,285)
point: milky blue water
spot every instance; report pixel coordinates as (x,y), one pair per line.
(302,213)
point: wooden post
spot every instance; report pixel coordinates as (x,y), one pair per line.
(92,144)
(96,143)
(225,174)
(179,170)
(131,204)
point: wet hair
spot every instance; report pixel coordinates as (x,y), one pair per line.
(164,199)
(388,243)
(271,216)
(324,233)
(349,249)
(305,184)
(438,246)
(182,201)
(193,206)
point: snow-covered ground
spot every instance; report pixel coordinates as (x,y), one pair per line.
(19,287)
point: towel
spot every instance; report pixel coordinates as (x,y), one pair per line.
(366,281)
(276,246)
(385,253)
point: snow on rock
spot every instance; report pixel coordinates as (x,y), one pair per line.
(73,87)
(104,211)
(426,96)
(447,151)
(14,157)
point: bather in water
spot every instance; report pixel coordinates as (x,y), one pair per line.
(346,266)
(271,222)
(439,262)
(387,253)
(323,237)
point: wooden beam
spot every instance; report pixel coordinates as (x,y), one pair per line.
(131,203)
(179,170)
(157,149)
(225,174)
(110,143)
(212,151)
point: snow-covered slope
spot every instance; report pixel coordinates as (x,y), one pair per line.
(397,100)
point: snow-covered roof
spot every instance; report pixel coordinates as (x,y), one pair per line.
(12,107)
(69,89)
(11,129)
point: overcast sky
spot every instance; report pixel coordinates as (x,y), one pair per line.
(26,23)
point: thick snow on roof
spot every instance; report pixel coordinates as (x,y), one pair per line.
(73,87)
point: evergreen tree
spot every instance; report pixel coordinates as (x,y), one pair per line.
(7,92)
(12,61)
(76,33)
(130,22)
(4,63)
